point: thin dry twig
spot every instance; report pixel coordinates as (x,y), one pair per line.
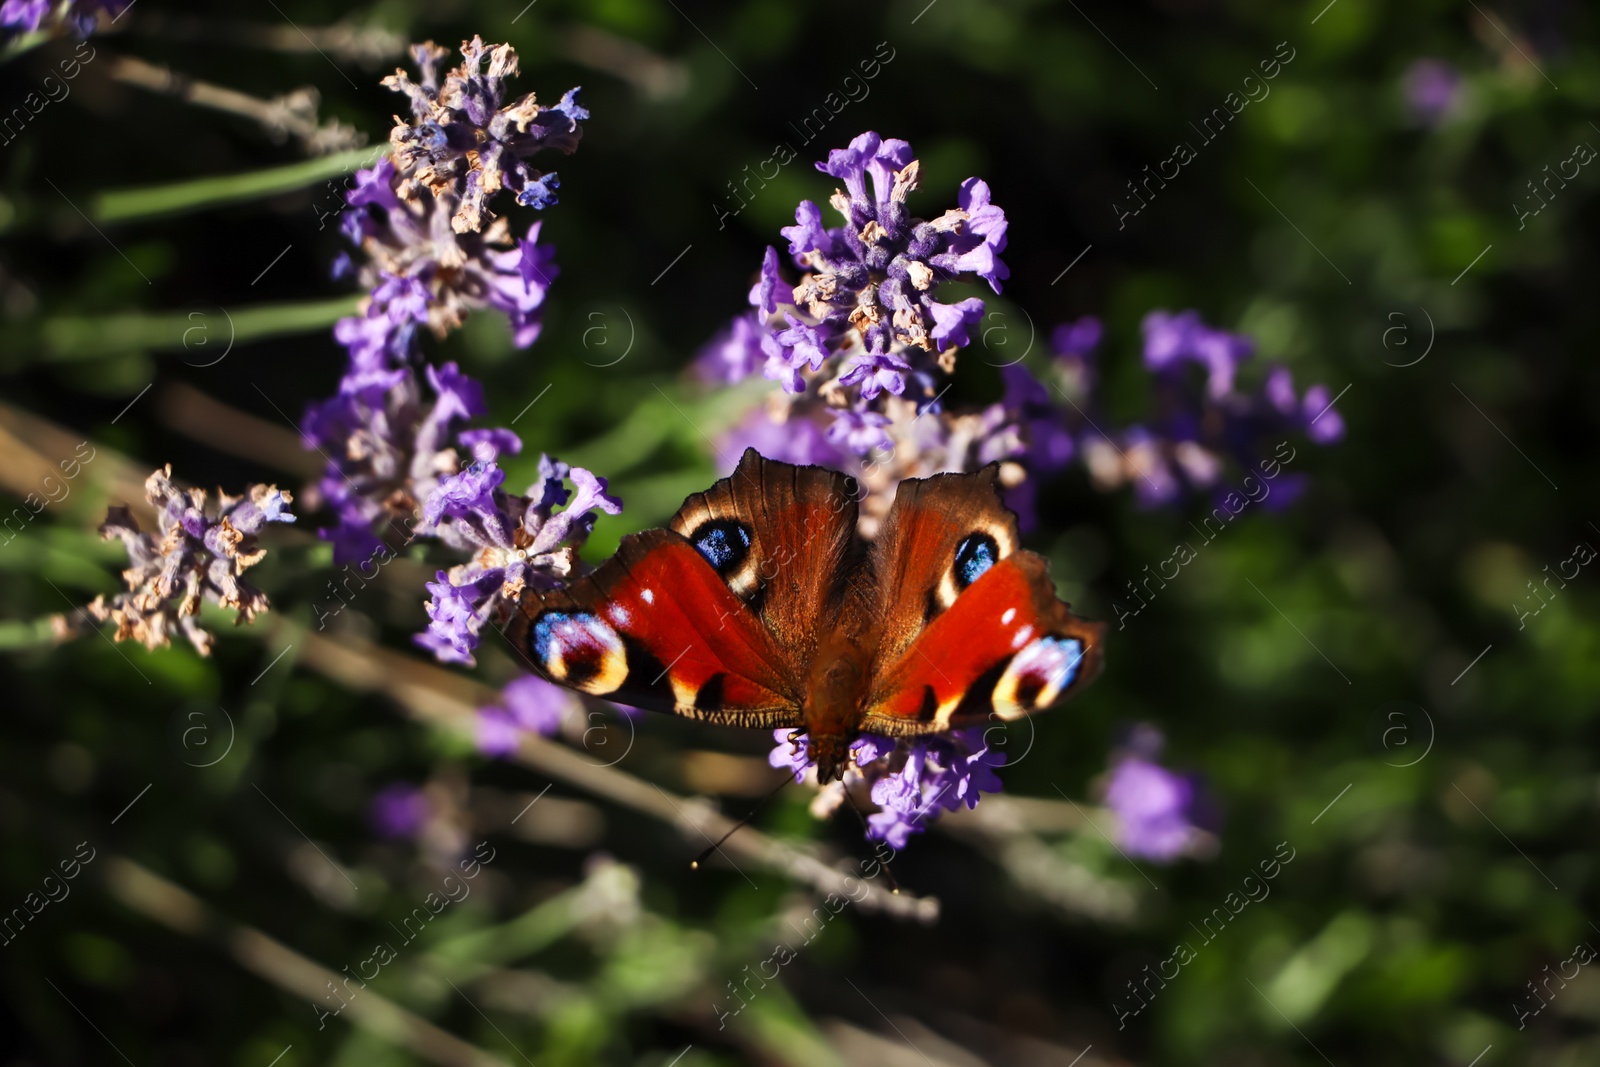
(174,907)
(432,694)
(345,41)
(294,114)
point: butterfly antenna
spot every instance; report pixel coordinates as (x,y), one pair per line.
(894,884)
(694,864)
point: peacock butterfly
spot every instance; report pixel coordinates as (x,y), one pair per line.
(759,605)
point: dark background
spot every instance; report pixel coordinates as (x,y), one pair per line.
(1459,859)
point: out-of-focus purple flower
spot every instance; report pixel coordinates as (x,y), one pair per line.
(23,16)
(399,810)
(913,781)
(797,440)
(1432,90)
(1050,445)
(528,703)
(1324,425)
(28,16)
(192,557)
(497,732)
(1157,810)
(859,431)
(1313,413)
(515,541)
(1170,340)
(736,352)
(1192,429)
(465,139)
(1077,339)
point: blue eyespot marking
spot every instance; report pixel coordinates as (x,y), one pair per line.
(551,627)
(1043,670)
(723,542)
(1068,654)
(975,554)
(564,634)
(580,649)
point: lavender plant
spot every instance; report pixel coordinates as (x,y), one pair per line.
(195,554)
(399,460)
(861,346)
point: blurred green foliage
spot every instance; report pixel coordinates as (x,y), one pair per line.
(1438,870)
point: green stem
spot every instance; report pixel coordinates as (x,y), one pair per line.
(121,205)
(207,335)
(26,43)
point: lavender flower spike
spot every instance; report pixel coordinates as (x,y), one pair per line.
(466,139)
(869,294)
(516,541)
(196,557)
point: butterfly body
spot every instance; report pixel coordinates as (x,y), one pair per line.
(835,692)
(760,606)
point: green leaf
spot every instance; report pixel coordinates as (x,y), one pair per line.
(121,205)
(206,335)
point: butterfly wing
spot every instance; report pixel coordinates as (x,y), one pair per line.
(657,627)
(783,539)
(715,617)
(972,628)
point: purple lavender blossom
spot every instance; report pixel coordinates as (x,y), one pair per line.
(1432,90)
(429,260)
(790,751)
(912,780)
(465,138)
(192,557)
(421,216)
(869,292)
(1157,810)
(387,449)
(861,347)
(530,704)
(515,541)
(929,776)
(399,810)
(411,242)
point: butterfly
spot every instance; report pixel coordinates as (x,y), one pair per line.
(759,605)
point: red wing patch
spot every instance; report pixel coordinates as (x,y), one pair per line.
(658,628)
(1004,648)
